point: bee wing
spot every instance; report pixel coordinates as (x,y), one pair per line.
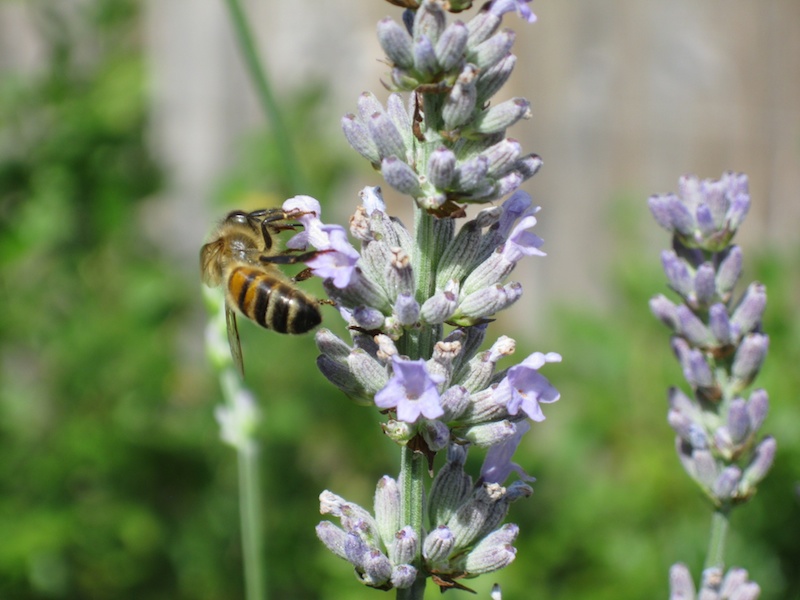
(233,339)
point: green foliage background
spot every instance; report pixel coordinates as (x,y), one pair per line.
(113,483)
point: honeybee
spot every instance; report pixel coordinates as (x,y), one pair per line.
(241,257)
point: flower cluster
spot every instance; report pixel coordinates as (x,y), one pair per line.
(447,144)
(464,537)
(732,585)
(717,339)
(457,393)
(418,302)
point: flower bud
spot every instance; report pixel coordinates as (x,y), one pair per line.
(459,254)
(506,184)
(704,284)
(387,509)
(451,45)
(704,469)
(493,552)
(450,487)
(748,359)
(425,56)
(488,302)
(333,537)
(502,156)
(488,53)
(747,316)
(376,568)
(368,104)
(528,166)
(484,435)
(759,467)
(438,545)
(403,548)
(719,324)
(693,329)
(460,102)
(403,576)
(480,514)
(681,585)
(339,374)
(500,117)
(481,26)
(330,344)
(677,272)
(728,272)
(738,421)
(369,372)
(757,407)
(429,20)
(726,484)
(359,138)
(407,309)
(454,401)
(665,311)
(396,109)
(493,79)
(400,176)
(368,318)
(399,275)
(471,173)
(671,213)
(396,42)
(386,136)
(399,431)
(441,306)
(441,167)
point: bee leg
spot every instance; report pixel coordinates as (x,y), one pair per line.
(290,259)
(303,275)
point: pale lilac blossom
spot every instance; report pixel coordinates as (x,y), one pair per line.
(497,465)
(524,388)
(411,391)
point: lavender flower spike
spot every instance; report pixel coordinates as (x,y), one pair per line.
(721,348)
(418,301)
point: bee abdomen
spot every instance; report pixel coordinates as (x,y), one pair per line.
(272,303)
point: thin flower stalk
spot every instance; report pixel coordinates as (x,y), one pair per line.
(238,419)
(718,340)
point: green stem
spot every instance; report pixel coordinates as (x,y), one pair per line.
(252,533)
(247,46)
(719,530)
(412,469)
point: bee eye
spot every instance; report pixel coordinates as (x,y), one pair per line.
(238,217)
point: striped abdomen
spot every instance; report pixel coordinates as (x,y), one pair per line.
(272,302)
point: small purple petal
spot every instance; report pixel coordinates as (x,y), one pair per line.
(337,258)
(497,465)
(522,242)
(411,390)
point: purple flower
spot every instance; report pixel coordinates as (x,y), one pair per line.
(497,465)
(500,7)
(524,387)
(411,390)
(337,258)
(310,211)
(522,242)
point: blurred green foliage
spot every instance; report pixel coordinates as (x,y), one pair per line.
(113,483)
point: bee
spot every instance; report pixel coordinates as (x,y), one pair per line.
(241,258)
